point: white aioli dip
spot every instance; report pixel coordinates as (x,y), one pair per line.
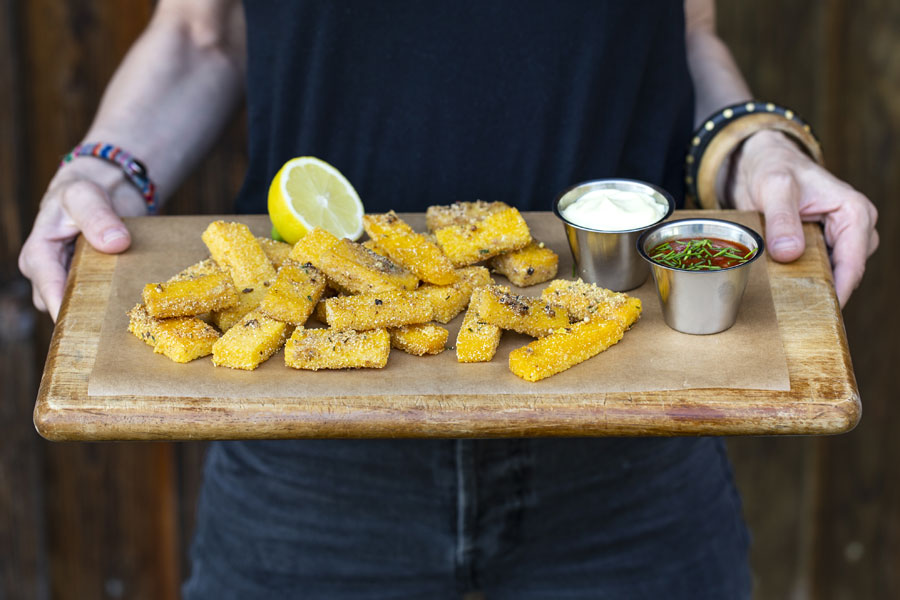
(614,210)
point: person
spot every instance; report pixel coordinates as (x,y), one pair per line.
(428,103)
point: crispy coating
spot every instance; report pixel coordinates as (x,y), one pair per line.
(564,348)
(277,252)
(294,294)
(476,341)
(315,349)
(460,213)
(497,233)
(207,266)
(413,251)
(526,314)
(392,308)
(351,266)
(450,300)
(311,247)
(249,299)
(189,297)
(250,342)
(587,301)
(533,264)
(419,339)
(181,339)
(236,250)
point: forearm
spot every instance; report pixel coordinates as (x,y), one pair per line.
(169,99)
(717,79)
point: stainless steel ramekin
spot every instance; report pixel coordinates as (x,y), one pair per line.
(700,302)
(608,258)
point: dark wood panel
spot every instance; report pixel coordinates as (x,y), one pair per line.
(858,545)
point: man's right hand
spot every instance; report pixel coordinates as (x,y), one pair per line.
(88,197)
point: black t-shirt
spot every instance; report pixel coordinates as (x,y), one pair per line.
(421,103)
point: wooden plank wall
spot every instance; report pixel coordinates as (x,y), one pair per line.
(114,520)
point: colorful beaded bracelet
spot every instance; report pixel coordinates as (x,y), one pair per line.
(722,132)
(133,169)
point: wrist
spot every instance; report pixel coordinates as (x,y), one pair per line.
(123,197)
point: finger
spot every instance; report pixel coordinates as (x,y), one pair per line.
(850,244)
(784,229)
(87,205)
(44,265)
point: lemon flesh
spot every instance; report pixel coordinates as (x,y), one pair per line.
(308,192)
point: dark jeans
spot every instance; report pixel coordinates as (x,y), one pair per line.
(518,519)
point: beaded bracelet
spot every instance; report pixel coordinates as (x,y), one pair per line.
(133,169)
(721,133)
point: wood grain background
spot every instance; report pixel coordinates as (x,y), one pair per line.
(114,520)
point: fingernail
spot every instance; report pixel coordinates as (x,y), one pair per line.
(785,245)
(111,235)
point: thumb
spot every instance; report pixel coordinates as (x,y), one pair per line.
(88,205)
(784,229)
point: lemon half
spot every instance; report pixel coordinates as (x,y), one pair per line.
(308,192)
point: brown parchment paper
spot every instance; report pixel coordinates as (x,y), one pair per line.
(650,357)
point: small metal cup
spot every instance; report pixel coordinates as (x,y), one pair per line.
(700,302)
(608,258)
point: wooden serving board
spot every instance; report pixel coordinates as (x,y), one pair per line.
(822,397)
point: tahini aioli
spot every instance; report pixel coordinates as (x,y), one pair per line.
(614,210)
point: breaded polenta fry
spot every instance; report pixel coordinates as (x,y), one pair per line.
(587,301)
(460,213)
(391,308)
(411,250)
(533,264)
(249,299)
(277,252)
(450,300)
(181,339)
(189,297)
(419,339)
(315,349)
(207,266)
(350,266)
(526,314)
(236,250)
(250,342)
(476,341)
(294,294)
(564,348)
(497,233)
(311,247)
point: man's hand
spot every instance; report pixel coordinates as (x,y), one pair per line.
(78,201)
(772,175)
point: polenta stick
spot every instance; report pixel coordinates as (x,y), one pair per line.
(250,342)
(533,264)
(311,247)
(315,349)
(294,294)
(587,301)
(207,266)
(353,267)
(376,310)
(564,348)
(181,339)
(460,213)
(476,341)
(248,299)
(419,339)
(277,252)
(188,297)
(450,300)
(497,233)
(409,249)
(532,316)
(237,251)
